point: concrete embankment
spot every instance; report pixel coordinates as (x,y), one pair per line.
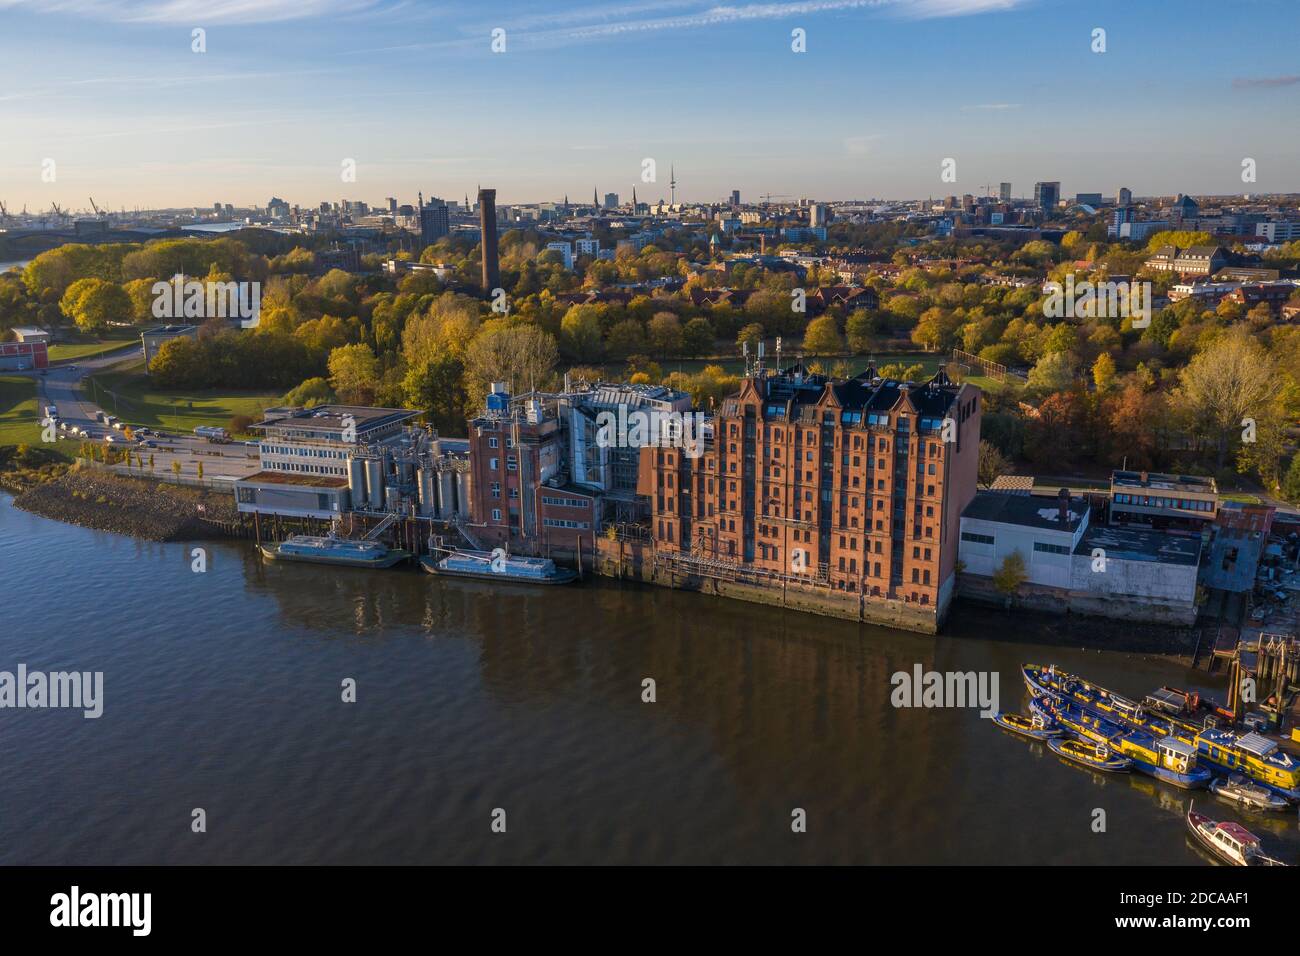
(140,507)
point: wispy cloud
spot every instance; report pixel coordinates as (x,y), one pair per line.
(993,106)
(564,27)
(195,12)
(1264,82)
(931,9)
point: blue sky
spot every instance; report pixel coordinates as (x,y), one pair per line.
(288,89)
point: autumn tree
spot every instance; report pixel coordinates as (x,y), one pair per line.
(1225,385)
(992,463)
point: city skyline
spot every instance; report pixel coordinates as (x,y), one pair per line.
(284,94)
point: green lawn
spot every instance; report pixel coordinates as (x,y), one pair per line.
(18,412)
(91,346)
(138,403)
(19,417)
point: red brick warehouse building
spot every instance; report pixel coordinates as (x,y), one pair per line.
(855,484)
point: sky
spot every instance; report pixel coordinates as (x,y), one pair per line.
(287,91)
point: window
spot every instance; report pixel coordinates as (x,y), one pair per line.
(974,538)
(1049,548)
(494,464)
(492,442)
(496,514)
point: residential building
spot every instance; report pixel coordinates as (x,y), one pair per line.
(854,484)
(1194,260)
(1047,196)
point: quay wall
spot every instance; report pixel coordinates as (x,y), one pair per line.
(980,589)
(635,561)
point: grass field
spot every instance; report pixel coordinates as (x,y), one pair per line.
(19,416)
(128,393)
(65,351)
(18,412)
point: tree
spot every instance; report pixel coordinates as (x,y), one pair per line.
(354,373)
(823,337)
(666,334)
(1103,371)
(697,338)
(312,392)
(93,303)
(580,334)
(523,356)
(750,335)
(438,388)
(1010,574)
(992,463)
(1291,483)
(860,329)
(1226,384)
(1054,372)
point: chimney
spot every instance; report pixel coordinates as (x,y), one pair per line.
(1063,498)
(487,220)
(1144,477)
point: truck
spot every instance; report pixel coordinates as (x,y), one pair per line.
(213,434)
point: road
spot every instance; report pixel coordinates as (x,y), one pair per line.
(60,386)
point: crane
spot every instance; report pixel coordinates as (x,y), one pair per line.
(98,214)
(768,197)
(4,213)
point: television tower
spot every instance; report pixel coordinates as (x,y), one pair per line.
(672,185)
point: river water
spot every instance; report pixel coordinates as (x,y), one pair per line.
(222,691)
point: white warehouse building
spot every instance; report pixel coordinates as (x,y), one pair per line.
(1074,565)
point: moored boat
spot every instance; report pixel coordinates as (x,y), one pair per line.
(1237,789)
(1230,842)
(1099,757)
(329,549)
(1035,727)
(497,566)
(1217,750)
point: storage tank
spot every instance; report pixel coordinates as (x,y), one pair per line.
(462,493)
(426,481)
(446,495)
(357,481)
(375,484)
(406,473)
(393,498)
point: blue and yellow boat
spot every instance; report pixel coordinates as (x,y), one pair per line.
(1035,727)
(1220,751)
(1166,758)
(1098,757)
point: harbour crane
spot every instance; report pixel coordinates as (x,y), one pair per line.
(98,214)
(4,213)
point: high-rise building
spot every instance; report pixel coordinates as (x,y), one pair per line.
(487,220)
(735,197)
(819,214)
(1004,192)
(1046,196)
(1124,197)
(435,221)
(611,200)
(392,206)
(854,484)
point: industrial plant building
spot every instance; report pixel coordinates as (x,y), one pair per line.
(542,480)
(325,461)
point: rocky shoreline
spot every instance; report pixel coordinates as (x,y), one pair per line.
(139,507)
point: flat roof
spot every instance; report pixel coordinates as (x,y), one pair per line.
(330,417)
(1139,544)
(1166,482)
(1024,510)
(293,478)
(169,329)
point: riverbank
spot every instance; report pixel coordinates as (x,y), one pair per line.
(139,507)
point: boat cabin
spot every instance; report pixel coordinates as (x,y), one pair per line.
(1176,755)
(1234,839)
